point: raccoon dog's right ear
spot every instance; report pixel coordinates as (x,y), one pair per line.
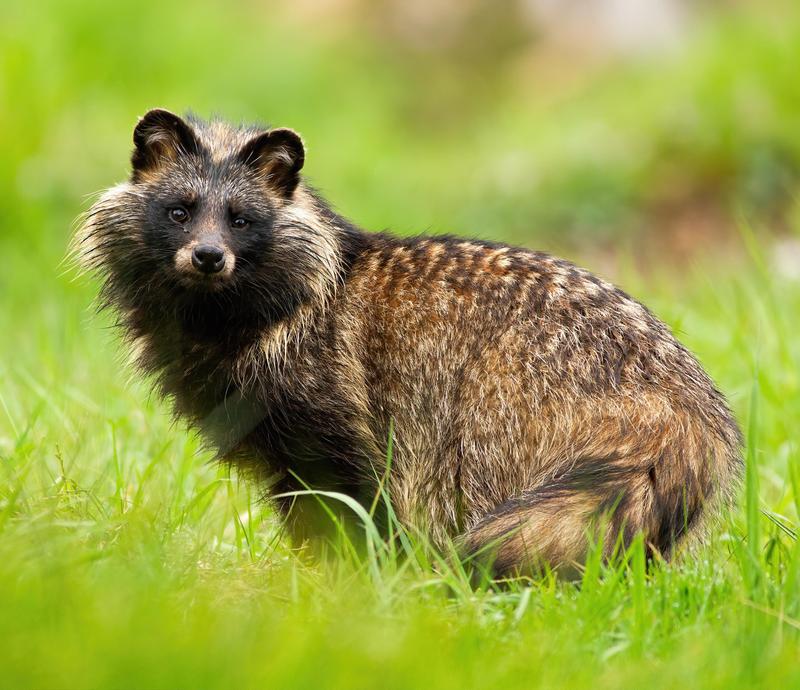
(160,135)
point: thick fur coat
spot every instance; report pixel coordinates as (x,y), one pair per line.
(532,403)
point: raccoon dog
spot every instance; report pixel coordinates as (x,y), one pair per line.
(534,405)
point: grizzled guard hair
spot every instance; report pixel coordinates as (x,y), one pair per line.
(535,406)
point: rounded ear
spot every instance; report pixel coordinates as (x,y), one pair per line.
(160,135)
(279,156)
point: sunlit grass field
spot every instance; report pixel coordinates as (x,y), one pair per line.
(128,560)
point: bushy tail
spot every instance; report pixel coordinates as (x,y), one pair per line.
(607,498)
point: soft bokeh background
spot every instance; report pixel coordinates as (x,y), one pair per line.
(656,141)
(529,119)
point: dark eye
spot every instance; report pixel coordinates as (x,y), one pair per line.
(240,223)
(178,214)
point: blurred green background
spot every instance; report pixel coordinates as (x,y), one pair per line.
(656,141)
(526,119)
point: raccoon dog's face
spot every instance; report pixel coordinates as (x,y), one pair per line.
(211,196)
(212,223)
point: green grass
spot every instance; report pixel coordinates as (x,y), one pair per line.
(128,560)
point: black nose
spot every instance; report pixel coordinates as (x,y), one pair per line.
(207,258)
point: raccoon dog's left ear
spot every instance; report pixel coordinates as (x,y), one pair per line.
(160,135)
(279,155)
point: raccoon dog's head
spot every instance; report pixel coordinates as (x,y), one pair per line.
(211,214)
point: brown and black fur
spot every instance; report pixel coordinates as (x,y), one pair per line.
(531,401)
